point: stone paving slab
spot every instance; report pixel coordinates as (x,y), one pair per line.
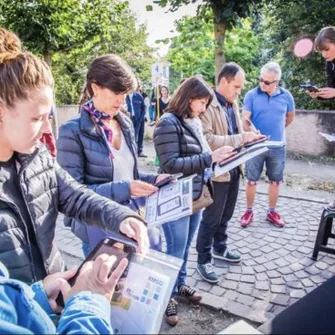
(276,269)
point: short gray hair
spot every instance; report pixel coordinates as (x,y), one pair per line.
(272,67)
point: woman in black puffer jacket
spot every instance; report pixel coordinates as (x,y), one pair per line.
(181,147)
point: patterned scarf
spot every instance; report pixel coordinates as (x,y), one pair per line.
(98,118)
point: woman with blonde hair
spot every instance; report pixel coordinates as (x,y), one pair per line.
(33,188)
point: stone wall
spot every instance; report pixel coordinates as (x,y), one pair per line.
(302,135)
(66,112)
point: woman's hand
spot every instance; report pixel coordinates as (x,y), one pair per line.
(140,188)
(222,153)
(161,177)
(56,283)
(95,277)
(313,95)
(136,229)
(324,93)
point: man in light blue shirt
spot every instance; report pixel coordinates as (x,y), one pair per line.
(270,108)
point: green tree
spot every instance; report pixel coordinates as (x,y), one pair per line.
(225,15)
(49,26)
(122,35)
(73,32)
(192,51)
(282,23)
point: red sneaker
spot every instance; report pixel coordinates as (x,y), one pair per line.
(275,219)
(246,218)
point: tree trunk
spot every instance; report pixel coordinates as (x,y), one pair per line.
(47,58)
(219,36)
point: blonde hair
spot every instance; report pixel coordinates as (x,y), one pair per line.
(20,71)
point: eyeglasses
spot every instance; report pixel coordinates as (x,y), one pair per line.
(266,82)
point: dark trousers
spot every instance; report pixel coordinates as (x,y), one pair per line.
(139,134)
(213,226)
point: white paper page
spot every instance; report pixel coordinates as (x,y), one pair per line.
(170,203)
(328,137)
(269,144)
(139,307)
(219,170)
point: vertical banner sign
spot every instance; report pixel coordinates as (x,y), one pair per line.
(159,76)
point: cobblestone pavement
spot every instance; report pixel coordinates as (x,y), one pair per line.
(276,269)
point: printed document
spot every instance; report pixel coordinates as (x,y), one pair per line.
(170,203)
(140,299)
(244,155)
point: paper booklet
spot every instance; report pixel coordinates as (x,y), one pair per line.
(140,299)
(244,155)
(170,203)
(328,137)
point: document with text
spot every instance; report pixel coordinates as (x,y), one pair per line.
(244,155)
(170,203)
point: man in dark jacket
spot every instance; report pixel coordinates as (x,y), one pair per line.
(136,108)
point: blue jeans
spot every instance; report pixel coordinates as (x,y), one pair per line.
(179,235)
(139,134)
(274,161)
(152,115)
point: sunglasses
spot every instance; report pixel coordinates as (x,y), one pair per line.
(266,82)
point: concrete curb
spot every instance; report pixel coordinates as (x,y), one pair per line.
(310,199)
(243,311)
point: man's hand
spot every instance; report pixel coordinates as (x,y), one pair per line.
(95,277)
(250,137)
(222,153)
(136,229)
(56,283)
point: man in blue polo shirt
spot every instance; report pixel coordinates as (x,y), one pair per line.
(270,108)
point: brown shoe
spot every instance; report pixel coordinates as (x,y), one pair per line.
(171,313)
(189,293)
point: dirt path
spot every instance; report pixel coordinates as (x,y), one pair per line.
(197,319)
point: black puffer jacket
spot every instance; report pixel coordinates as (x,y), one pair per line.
(330,74)
(47,189)
(179,150)
(83,153)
